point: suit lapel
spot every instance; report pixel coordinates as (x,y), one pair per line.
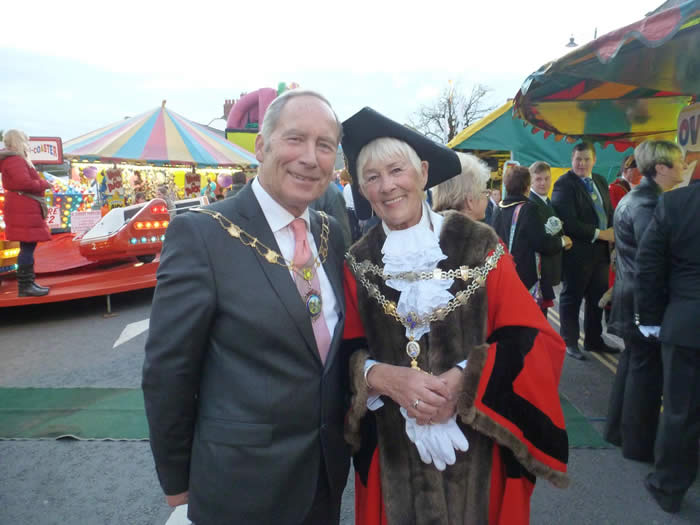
(333,268)
(582,191)
(537,201)
(278,276)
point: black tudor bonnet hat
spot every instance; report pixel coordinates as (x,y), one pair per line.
(367,125)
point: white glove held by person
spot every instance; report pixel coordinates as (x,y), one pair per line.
(436,443)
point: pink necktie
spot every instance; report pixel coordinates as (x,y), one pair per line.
(303,259)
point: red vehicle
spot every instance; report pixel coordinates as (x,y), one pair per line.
(135,231)
(119,254)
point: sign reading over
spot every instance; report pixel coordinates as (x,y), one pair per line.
(193,184)
(46,150)
(689,139)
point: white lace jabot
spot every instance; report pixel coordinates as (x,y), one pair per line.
(417,249)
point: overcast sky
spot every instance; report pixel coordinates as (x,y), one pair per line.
(67,68)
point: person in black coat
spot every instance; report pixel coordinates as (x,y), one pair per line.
(492,204)
(581,199)
(519,225)
(541,176)
(667,297)
(635,400)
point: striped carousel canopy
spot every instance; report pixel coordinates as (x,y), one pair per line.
(160,137)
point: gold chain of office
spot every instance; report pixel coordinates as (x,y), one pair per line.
(270,255)
(477,275)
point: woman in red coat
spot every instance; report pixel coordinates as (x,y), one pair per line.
(24,218)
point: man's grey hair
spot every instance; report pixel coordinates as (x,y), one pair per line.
(652,152)
(274,111)
(470,183)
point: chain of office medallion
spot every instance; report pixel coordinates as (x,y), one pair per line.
(478,276)
(463,272)
(268,253)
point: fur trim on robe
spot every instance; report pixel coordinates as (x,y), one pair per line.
(414,492)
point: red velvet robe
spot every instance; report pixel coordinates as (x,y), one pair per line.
(509,304)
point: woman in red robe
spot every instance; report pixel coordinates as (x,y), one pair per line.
(464,442)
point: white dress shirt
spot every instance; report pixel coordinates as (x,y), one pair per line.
(543,197)
(347,195)
(429,221)
(279,219)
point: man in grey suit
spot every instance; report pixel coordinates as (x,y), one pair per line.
(244,384)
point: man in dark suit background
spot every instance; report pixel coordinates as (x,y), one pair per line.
(551,264)
(581,200)
(244,386)
(667,298)
(494,199)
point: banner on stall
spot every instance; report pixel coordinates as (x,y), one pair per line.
(689,139)
(83,221)
(193,184)
(114,182)
(53,219)
(46,150)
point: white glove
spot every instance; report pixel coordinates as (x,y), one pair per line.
(418,436)
(436,443)
(443,453)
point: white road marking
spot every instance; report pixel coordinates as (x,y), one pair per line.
(132,330)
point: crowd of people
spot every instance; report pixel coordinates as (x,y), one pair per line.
(284,361)
(297,326)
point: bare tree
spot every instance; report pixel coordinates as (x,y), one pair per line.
(451,112)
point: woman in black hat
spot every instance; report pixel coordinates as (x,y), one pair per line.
(438,324)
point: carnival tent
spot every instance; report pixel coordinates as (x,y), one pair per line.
(158,137)
(627,85)
(500,135)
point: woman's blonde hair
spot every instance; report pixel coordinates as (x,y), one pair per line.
(15,140)
(652,152)
(384,149)
(470,183)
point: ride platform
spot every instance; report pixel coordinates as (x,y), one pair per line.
(60,266)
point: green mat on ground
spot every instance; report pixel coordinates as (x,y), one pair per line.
(81,413)
(117,413)
(581,433)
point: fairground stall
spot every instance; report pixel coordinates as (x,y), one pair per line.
(140,172)
(501,137)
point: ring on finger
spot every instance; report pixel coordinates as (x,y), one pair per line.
(415,404)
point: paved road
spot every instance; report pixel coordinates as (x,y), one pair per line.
(46,482)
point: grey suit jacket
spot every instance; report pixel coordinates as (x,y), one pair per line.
(240,407)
